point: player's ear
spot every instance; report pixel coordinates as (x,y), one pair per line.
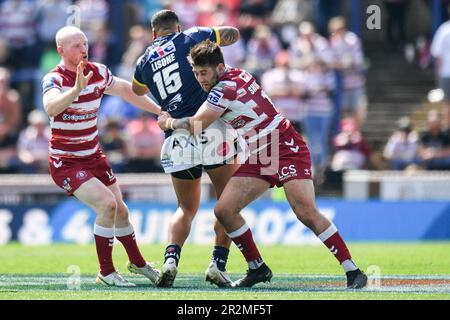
(220,68)
(178,28)
(60,50)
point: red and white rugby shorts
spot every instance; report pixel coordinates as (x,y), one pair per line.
(70,173)
(286,158)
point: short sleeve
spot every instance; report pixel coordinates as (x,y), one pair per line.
(137,77)
(109,79)
(51,81)
(221,96)
(200,34)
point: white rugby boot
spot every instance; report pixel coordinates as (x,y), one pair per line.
(168,273)
(113,279)
(148,271)
(217,277)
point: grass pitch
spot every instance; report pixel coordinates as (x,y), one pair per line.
(396,271)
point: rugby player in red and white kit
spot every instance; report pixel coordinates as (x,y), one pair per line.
(278,156)
(71,94)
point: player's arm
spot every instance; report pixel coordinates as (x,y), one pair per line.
(226,35)
(56,101)
(195,124)
(123,89)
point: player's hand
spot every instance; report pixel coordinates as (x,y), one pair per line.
(82,81)
(162,119)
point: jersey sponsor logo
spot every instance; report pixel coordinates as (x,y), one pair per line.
(66,184)
(174,103)
(287,172)
(214,97)
(162,51)
(49,83)
(186,141)
(77,117)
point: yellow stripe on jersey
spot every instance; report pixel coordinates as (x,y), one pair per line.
(216,30)
(139,83)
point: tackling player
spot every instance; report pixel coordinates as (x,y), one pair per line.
(71,94)
(279,156)
(165,71)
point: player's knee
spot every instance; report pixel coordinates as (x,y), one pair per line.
(188,210)
(306,213)
(108,207)
(222,211)
(122,211)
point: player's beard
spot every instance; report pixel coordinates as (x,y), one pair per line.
(208,85)
(213,82)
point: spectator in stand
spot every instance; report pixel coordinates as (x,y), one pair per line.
(188,12)
(140,39)
(253,14)
(434,149)
(352,152)
(348,60)
(324,11)
(113,142)
(218,13)
(444,9)
(101,44)
(308,42)
(4,52)
(395,30)
(10,107)
(261,49)
(440,50)
(52,15)
(402,147)
(145,140)
(18,21)
(318,86)
(8,152)
(284,85)
(32,146)
(92,13)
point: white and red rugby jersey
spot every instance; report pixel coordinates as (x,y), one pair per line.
(245,106)
(74,131)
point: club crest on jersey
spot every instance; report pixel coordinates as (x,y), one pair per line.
(81,175)
(162,51)
(97,92)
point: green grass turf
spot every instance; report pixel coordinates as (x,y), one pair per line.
(300,272)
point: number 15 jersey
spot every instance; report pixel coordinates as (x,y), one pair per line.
(165,70)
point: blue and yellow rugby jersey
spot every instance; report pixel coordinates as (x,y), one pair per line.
(165,70)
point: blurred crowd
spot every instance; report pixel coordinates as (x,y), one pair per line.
(301,51)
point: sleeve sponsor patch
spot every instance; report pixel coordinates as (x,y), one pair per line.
(50,82)
(214,97)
